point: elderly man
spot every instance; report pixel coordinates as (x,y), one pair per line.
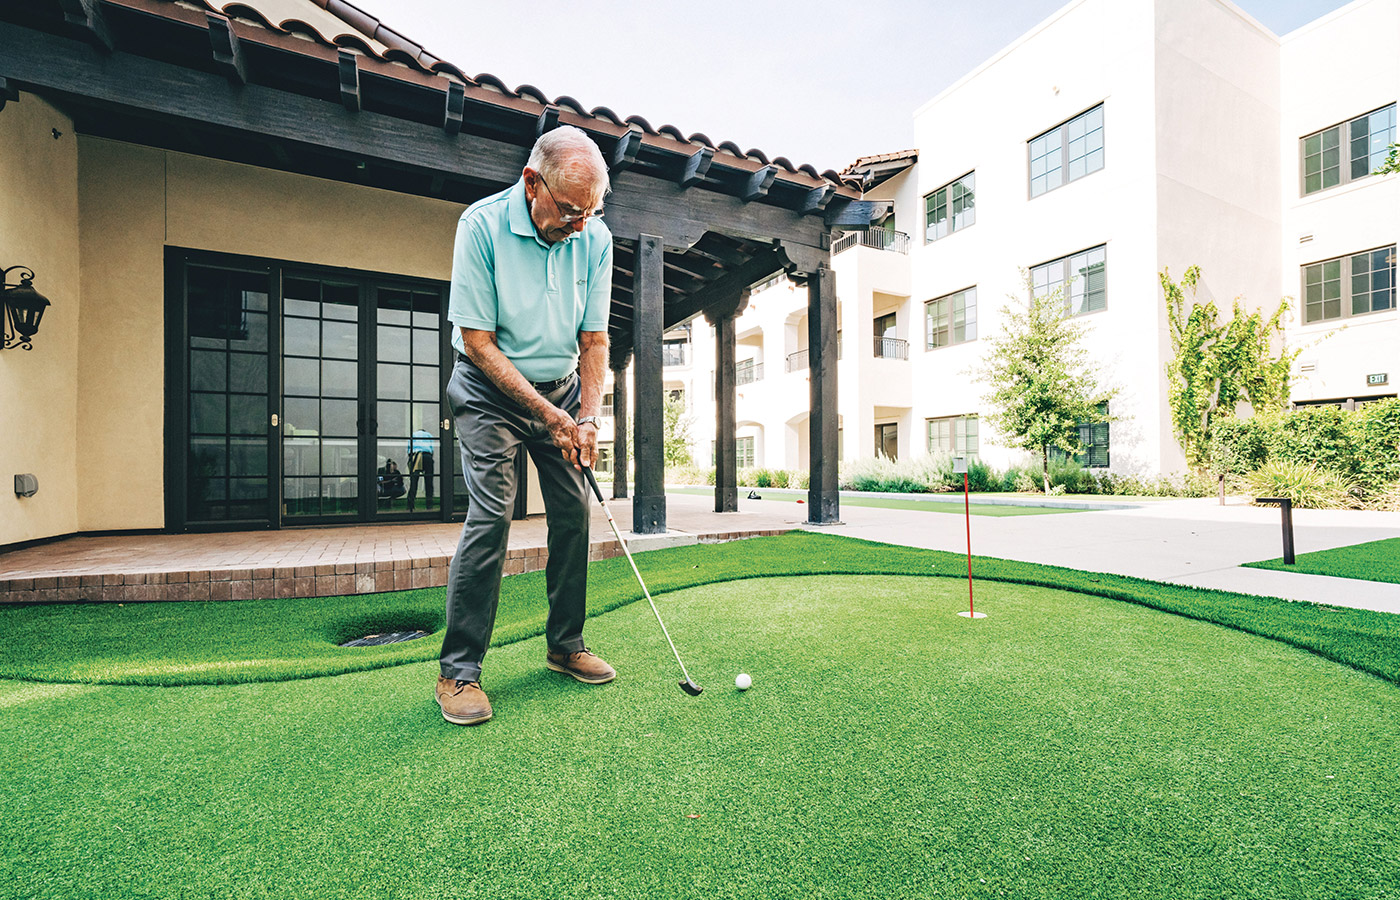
(531,286)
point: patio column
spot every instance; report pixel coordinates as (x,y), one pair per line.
(722,316)
(648,314)
(823,496)
(620,450)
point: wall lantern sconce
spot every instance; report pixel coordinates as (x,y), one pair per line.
(24,307)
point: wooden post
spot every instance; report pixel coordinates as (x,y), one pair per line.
(648,317)
(726,465)
(823,496)
(620,450)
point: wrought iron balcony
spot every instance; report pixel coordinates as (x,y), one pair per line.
(891,348)
(878,238)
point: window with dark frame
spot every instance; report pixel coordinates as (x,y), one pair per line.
(956,435)
(1352,285)
(1093,443)
(887,440)
(1346,152)
(1067,152)
(950,208)
(951,319)
(1083,276)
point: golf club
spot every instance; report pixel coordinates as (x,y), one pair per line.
(690,687)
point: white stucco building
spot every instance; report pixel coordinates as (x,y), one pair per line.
(1116,139)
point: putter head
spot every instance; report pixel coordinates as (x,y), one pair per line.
(691,688)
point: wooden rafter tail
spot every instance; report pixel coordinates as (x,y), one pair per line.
(228,52)
(759,183)
(625,153)
(548,120)
(696,166)
(86,17)
(349,79)
(455,108)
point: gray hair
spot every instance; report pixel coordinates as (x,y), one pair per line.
(568,154)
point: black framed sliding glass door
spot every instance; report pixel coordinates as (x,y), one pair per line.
(299,395)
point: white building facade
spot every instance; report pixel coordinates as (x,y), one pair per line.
(1113,141)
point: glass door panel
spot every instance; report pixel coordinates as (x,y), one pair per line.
(321,422)
(227,409)
(408,400)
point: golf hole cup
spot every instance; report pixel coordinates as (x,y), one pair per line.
(743,682)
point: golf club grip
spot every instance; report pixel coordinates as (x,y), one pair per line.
(593,482)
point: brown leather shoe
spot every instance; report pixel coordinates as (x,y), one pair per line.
(583,665)
(462,702)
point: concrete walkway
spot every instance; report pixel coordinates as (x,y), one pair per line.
(1191,542)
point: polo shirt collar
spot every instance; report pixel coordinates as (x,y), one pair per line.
(519,206)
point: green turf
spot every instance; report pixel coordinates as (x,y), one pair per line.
(1373,561)
(1067,746)
(271,640)
(939,506)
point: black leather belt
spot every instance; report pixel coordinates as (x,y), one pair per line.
(543,387)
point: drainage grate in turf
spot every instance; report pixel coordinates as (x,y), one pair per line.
(374,640)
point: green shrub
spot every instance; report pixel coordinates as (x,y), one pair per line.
(1237,446)
(688,474)
(1307,486)
(762,478)
(1376,437)
(1072,478)
(1319,436)
(980,477)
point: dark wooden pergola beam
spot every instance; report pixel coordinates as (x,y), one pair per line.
(8,93)
(759,184)
(228,53)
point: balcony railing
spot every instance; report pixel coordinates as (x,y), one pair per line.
(891,348)
(673,354)
(748,374)
(797,361)
(607,410)
(878,238)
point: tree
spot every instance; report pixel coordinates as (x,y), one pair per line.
(676,442)
(1391,166)
(1215,366)
(1043,382)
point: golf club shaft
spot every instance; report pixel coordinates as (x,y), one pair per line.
(593,482)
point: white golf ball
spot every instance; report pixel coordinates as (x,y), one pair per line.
(743,682)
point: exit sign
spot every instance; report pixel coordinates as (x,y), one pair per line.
(1379,378)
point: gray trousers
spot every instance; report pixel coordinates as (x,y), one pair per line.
(491,427)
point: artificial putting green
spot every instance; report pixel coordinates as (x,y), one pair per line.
(170,644)
(1065,746)
(1371,561)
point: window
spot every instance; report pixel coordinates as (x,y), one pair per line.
(951,319)
(673,352)
(950,208)
(887,346)
(604,463)
(1067,152)
(743,451)
(1087,274)
(887,440)
(1365,280)
(954,434)
(607,409)
(1346,152)
(1093,443)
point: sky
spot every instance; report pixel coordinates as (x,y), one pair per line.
(820,82)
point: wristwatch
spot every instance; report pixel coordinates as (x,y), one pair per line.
(588,420)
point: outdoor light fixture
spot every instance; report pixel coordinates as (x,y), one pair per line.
(24,307)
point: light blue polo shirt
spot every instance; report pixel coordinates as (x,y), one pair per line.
(536,297)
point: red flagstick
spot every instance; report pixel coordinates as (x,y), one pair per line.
(960,463)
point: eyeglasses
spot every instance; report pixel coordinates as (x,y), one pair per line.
(568,218)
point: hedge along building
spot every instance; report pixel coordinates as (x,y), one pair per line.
(243,216)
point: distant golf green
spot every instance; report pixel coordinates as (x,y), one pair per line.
(1065,746)
(1372,561)
(940,506)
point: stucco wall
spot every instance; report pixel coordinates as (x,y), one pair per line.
(38,387)
(135,202)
